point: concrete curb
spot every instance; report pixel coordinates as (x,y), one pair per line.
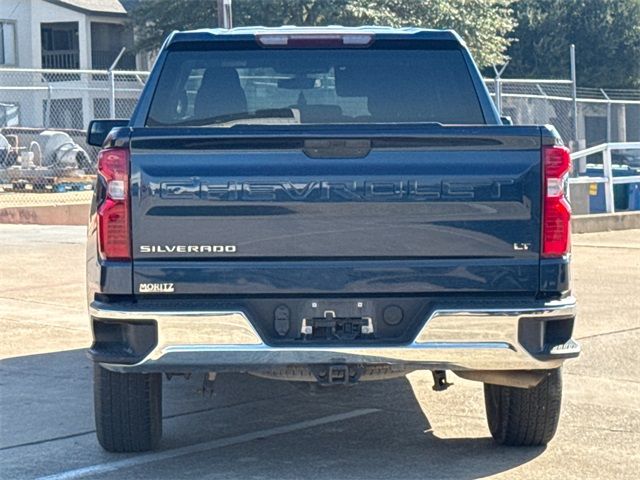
(605,222)
(67,214)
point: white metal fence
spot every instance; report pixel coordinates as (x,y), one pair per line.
(597,174)
(44,114)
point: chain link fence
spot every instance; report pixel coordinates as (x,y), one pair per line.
(44,158)
(596,116)
(588,118)
(43,119)
(539,102)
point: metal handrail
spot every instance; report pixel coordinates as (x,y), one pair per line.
(531,80)
(608,179)
(604,146)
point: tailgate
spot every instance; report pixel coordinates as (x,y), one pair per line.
(453,209)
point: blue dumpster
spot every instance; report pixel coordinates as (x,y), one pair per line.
(597,202)
(622,193)
(626,196)
(634,196)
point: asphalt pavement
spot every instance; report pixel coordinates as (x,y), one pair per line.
(250,428)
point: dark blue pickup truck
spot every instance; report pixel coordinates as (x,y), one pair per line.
(327,205)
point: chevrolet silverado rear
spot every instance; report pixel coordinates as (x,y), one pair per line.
(327,205)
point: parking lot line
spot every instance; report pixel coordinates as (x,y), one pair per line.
(202,447)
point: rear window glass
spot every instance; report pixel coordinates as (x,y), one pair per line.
(289,86)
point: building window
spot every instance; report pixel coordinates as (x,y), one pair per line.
(107,39)
(7,43)
(60,46)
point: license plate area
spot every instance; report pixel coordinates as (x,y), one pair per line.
(343,320)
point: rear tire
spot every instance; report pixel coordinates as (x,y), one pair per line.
(128,410)
(524,416)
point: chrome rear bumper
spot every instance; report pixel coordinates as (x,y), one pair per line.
(471,339)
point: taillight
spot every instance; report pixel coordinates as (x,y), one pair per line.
(556,211)
(113,212)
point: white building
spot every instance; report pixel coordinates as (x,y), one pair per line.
(75,34)
(62,35)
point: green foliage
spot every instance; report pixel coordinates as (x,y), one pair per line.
(606,34)
(154,20)
(484,24)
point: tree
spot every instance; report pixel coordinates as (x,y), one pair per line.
(484,24)
(606,34)
(154,20)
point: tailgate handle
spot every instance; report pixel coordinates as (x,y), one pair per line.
(337,148)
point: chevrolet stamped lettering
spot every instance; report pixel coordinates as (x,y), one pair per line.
(413,190)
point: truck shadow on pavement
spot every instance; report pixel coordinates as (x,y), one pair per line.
(247,427)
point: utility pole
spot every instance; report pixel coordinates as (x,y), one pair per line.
(225,18)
